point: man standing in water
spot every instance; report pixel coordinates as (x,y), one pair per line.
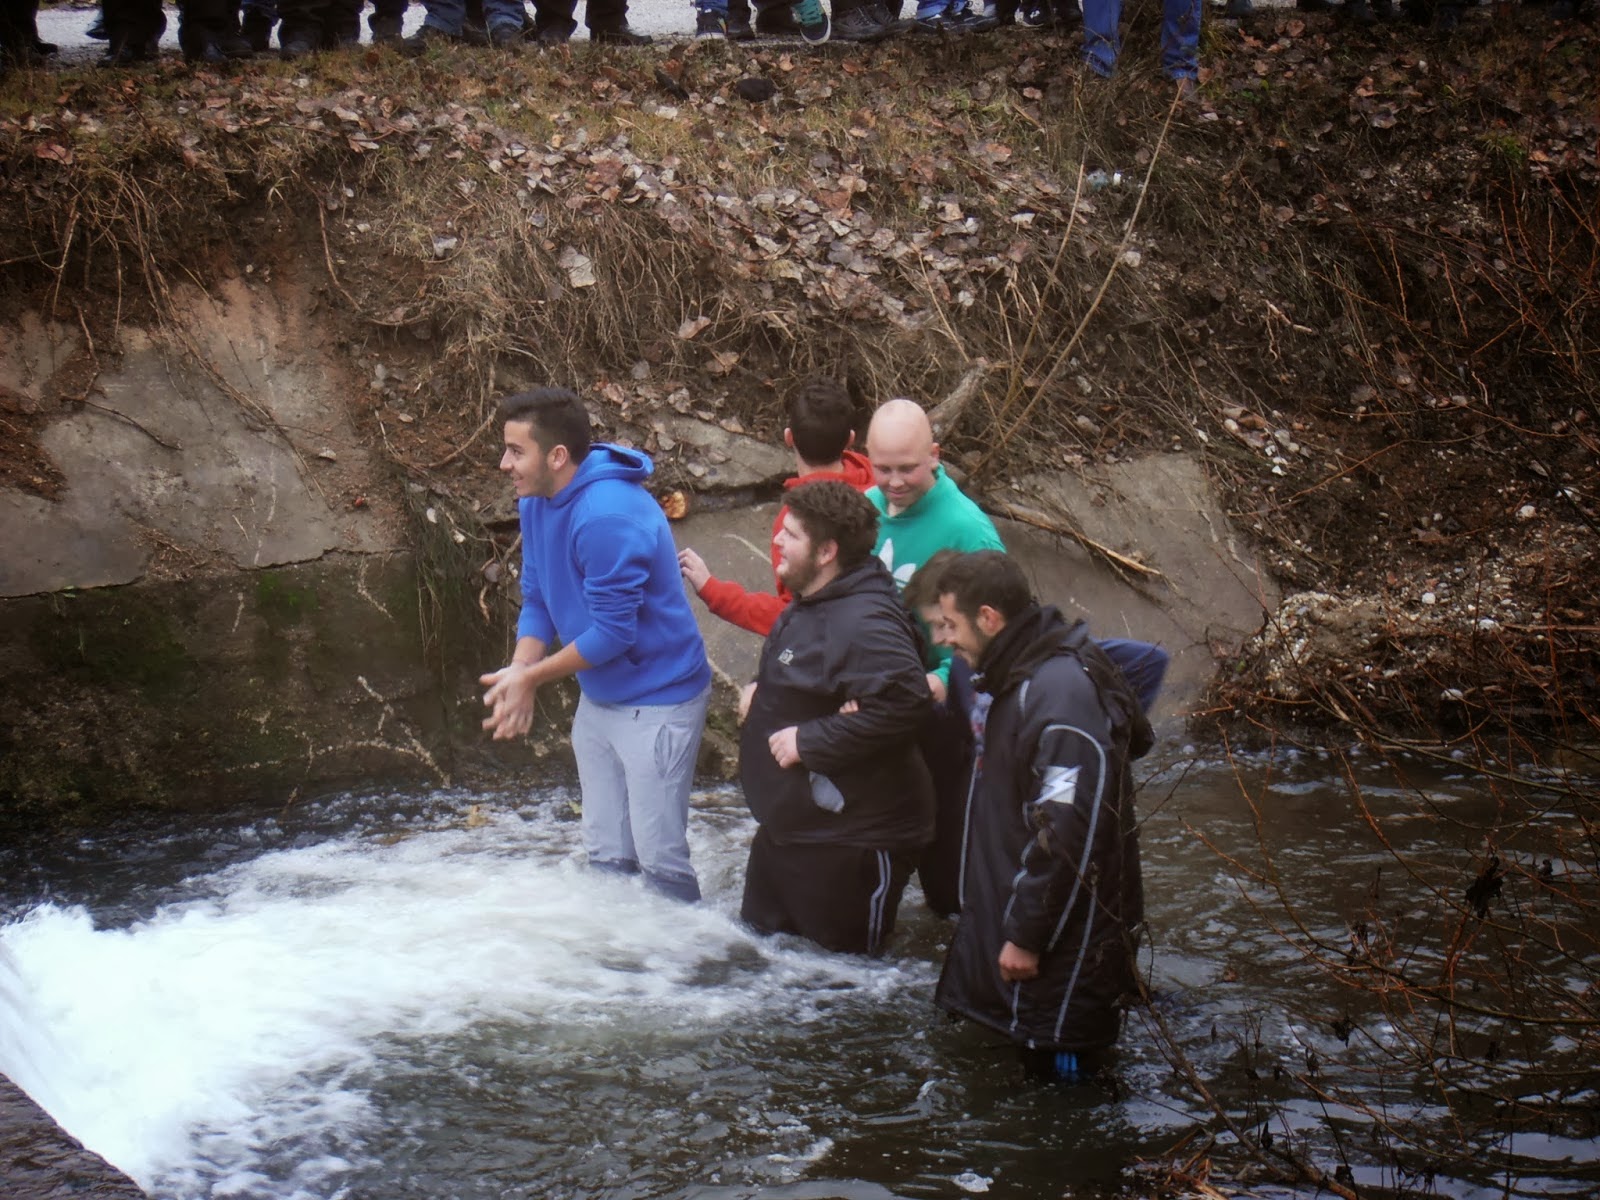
(921,512)
(600,573)
(1051,892)
(828,756)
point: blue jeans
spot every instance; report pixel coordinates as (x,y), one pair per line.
(450,15)
(635,767)
(1180,36)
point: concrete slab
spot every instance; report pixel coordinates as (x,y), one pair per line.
(161,456)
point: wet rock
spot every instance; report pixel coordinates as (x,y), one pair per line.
(41,1161)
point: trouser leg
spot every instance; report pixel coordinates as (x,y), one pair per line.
(1101,41)
(1180,38)
(844,898)
(607,833)
(659,745)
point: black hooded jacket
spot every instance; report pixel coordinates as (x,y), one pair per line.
(861,780)
(1051,855)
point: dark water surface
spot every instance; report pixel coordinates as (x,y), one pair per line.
(387,996)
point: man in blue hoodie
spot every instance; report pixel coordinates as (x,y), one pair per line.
(600,574)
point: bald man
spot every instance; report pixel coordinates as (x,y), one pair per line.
(920,509)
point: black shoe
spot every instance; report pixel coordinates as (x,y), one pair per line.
(1035,14)
(385,30)
(777,22)
(549,36)
(1359,12)
(618,35)
(417,44)
(97,31)
(301,44)
(128,52)
(859,25)
(1238,9)
(505,37)
(709,24)
(739,29)
(256,28)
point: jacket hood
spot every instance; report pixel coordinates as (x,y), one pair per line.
(857,473)
(605,460)
(868,576)
(1039,634)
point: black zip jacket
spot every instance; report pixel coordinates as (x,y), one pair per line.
(861,780)
(1051,856)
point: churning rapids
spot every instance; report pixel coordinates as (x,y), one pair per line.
(385,996)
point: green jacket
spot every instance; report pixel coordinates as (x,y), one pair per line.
(944,519)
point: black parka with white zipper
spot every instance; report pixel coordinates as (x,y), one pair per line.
(1051,859)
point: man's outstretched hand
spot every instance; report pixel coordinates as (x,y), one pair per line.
(509,700)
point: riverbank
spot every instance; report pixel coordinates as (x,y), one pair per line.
(1352,288)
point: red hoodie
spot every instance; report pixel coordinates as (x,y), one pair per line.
(758,611)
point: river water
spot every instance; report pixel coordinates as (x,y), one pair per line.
(381,996)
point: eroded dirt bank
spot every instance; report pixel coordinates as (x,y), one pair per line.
(1356,281)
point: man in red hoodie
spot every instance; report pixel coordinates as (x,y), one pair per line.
(820,430)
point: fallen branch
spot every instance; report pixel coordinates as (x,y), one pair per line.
(949,411)
(1039,520)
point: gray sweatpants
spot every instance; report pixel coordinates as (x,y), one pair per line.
(636,766)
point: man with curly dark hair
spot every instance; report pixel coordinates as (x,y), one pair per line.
(828,755)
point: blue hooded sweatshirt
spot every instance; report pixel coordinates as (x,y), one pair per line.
(600,572)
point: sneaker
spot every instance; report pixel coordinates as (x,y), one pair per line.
(889,19)
(859,25)
(417,44)
(964,18)
(1035,14)
(1238,9)
(812,19)
(1069,14)
(1359,12)
(738,27)
(505,36)
(708,24)
(97,31)
(618,35)
(550,35)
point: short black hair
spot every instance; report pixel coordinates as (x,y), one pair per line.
(986,578)
(830,511)
(821,419)
(556,416)
(922,589)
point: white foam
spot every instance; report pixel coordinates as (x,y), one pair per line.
(183,1047)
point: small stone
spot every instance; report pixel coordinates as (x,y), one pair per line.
(755,89)
(1429,598)
(1527,512)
